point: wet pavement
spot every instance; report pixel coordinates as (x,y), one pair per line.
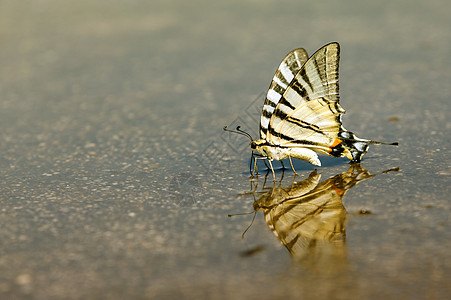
(117,180)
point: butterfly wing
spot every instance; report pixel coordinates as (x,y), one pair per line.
(308,113)
(285,73)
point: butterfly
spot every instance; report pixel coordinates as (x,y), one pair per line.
(301,115)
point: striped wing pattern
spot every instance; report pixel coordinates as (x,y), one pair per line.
(307,113)
(285,73)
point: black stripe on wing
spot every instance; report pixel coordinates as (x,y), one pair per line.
(297,86)
(290,139)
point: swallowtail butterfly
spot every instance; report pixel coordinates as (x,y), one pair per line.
(301,115)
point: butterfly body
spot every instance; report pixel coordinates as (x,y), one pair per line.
(301,115)
(278,152)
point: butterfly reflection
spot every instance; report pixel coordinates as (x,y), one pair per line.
(308,217)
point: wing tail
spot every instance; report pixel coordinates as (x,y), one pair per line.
(353,147)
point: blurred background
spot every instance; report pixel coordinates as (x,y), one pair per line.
(117,179)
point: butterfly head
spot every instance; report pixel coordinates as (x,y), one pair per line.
(256,144)
(264,149)
(261,146)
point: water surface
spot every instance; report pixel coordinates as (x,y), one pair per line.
(117,179)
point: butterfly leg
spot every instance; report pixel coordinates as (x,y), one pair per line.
(250,163)
(255,167)
(272,169)
(283,166)
(291,163)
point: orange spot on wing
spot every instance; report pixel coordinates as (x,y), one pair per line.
(336,142)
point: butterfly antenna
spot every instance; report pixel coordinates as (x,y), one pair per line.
(239,131)
(238,128)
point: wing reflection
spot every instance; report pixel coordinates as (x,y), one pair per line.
(309,217)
